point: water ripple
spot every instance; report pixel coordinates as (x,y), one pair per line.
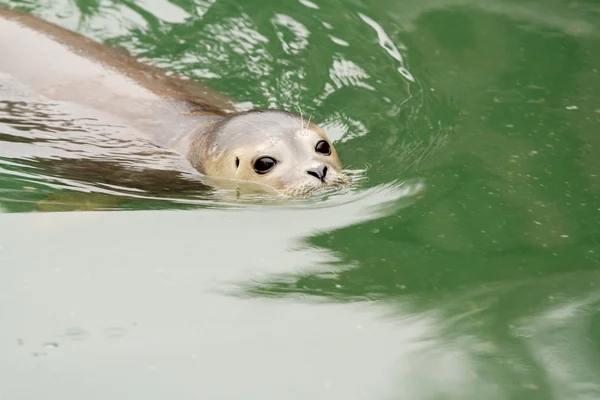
(53,146)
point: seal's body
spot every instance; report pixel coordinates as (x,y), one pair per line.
(273,148)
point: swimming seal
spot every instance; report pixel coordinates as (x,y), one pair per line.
(272,148)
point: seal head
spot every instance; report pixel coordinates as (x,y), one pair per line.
(270,147)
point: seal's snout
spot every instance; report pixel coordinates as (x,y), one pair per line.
(319,172)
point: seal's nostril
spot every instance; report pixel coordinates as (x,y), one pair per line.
(313,173)
(319,172)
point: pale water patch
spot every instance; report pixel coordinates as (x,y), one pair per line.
(300,33)
(309,4)
(341,127)
(202,6)
(344,73)
(165,10)
(339,41)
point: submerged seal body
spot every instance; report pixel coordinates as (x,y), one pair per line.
(273,148)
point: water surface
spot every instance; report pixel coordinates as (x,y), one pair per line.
(463,264)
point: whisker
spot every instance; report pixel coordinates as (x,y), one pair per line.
(301,117)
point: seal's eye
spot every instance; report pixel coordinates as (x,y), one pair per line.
(323,147)
(264,165)
(237,163)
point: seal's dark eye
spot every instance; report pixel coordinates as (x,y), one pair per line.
(237,162)
(323,147)
(264,165)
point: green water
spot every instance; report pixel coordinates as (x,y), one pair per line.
(465,265)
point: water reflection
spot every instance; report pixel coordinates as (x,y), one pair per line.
(499,255)
(483,340)
(542,350)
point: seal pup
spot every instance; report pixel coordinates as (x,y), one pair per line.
(275,149)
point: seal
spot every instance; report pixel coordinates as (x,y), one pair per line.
(274,149)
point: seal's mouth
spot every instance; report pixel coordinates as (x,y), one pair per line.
(337,181)
(347,179)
